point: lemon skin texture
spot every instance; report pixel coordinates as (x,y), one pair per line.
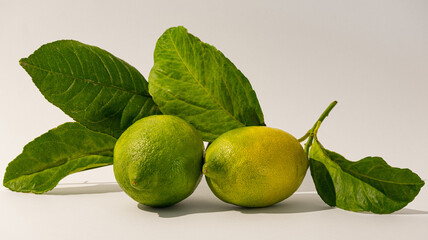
(255,166)
(158,160)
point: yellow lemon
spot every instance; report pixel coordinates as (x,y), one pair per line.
(255,166)
(158,160)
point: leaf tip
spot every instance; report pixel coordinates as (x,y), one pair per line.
(23,62)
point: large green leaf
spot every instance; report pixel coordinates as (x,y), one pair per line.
(92,86)
(196,82)
(61,151)
(366,185)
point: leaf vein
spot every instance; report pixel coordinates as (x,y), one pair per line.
(198,82)
(85,80)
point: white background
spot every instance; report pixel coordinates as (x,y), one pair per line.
(370,56)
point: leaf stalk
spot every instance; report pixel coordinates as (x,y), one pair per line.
(311,133)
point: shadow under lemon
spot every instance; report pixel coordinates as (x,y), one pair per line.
(299,202)
(202,201)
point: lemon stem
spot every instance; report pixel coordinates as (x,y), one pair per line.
(304,137)
(313,131)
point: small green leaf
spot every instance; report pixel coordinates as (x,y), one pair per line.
(323,182)
(67,149)
(95,88)
(196,82)
(366,185)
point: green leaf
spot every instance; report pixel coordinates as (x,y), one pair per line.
(323,182)
(196,82)
(67,149)
(95,88)
(366,185)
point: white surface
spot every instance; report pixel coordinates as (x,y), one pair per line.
(103,211)
(299,56)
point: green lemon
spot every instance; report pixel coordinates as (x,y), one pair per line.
(158,160)
(255,166)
